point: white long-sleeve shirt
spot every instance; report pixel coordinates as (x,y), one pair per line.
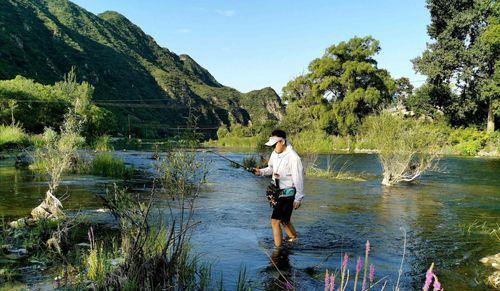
(289,168)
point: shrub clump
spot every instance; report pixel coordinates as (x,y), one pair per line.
(467,141)
(106,165)
(406,147)
(11,135)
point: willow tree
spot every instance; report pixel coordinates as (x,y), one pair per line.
(464,55)
(406,147)
(347,79)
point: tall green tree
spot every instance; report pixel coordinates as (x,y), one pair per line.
(346,78)
(464,56)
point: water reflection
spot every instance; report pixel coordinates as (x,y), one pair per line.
(279,270)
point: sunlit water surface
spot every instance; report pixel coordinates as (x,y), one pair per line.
(336,217)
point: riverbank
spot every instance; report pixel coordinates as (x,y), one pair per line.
(324,144)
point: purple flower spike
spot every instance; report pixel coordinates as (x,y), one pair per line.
(358,265)
(372,272)
(428,278)
(288,286)
(367,247)
(344,261)
(437,285)
(332,282)
(327,280)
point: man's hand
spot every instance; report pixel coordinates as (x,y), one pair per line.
(296,204)
(256,171)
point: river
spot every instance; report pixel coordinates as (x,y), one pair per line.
(337,217)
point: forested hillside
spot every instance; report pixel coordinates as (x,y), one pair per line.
(133,77)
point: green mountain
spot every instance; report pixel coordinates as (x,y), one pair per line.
(133,76)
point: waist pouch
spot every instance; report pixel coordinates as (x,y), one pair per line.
(287,192)
(273,192)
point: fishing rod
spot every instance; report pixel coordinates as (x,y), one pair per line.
(236,163)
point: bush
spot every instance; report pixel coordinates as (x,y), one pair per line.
(222,132)
(467,141)
(102,144)
(250,162)
(312,141)
(406,147)
(11,135)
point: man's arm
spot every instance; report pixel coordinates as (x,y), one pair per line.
(298,180)
(267,171)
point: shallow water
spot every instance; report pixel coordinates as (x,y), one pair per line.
(336,217)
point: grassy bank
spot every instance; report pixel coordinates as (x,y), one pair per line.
(12,136)
(234,142)
(461,142)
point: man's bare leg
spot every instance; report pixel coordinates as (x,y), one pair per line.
(290,230)
(275,223)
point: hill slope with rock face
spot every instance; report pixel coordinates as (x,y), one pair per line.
(133,76)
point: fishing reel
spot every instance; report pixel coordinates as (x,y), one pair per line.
(273,192)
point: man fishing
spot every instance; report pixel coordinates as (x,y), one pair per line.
(287,189)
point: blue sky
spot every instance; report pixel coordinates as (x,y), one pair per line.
(254,44)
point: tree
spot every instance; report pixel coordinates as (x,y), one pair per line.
(406,147)
(464,54)
(404,89)
(12,107)
(347,81)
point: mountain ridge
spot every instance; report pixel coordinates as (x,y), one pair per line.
(43,39)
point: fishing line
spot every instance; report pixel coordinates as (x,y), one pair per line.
(228,159)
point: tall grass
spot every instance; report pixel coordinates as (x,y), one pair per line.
(11,135)
(106,165)
(234,141)
(154,253)
(334,169)
(102,143)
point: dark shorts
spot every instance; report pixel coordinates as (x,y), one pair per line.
(283,209)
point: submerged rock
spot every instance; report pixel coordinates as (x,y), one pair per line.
(493,261)
(83,245)
(16,254)
(23,160)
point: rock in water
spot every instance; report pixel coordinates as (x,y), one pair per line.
(23,161)
(17,254)
(493,261)
(50,208)
(16,224)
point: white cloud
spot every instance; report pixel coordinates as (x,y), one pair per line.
(226,13)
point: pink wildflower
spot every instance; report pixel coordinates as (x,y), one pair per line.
(358,265)
(367,247)
(332,282)
(288,286)
(327,280)
(344,261)
(372,273)
(437,285)
(428,278)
